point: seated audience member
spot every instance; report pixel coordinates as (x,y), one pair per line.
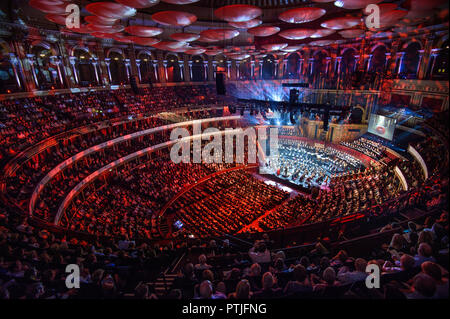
(268,290)
(301,284)
(242,291)
(328,287)
(206,291)
(424,253)
(259,253)
(434,271)
(424,287)
(254,277)
(345,276)
(202,265)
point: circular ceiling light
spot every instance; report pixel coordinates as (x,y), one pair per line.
(320,33)
(238,12)
(352,33)
(111,10)
(139,4)
(341,23)
(274,46)
(292,48)
(296,34)
(355,4)
(302,15)
(180,1)
(219,34)
(143,31)
(320,43)
(48,6)
(174,18)
(263,31)
(100,20)
(246,24)
(105,28)
(185,36)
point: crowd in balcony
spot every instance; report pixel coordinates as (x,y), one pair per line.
(366,146)
(413,264)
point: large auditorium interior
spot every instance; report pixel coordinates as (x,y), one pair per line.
(253,152)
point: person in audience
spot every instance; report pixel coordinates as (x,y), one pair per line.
(202,265)
(359,274)
(424,287)
(300,285)
(259,253)
(268,291)
(242,292)
(424,253)
(435,271)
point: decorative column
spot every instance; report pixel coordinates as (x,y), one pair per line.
(14,62)
(127,67)
(260,69)
(133,63)
(338,71)
(229,69)
(190,70)
(181,66)
(155,69)
(357,63)
(72,61)
(166,76)
(276,69)
(214,63)
(388,57)
(370,61)
(205,69)
(33,70)
(56,60)
(434,55)
(138,67)
(284,75)
(252,69)
(327,68)
(311,65)
(300,68)
(101,64)
(108,63)
(211,68)
(399,61)
(238,73)
(427,51)
(420,62)
(94,62)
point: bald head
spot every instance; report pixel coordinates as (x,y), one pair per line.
(206,289)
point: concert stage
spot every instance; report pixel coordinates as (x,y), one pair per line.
(285,181)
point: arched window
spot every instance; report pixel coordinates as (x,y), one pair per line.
(146,69)
(440,66)
(46,72)
(118,69)
(410,61)
(173,69)
(221,63)
(348,64)
(293,65)
(378,61)
(198,71)
(269,67)
(8,82)
(86,71)
(245,69)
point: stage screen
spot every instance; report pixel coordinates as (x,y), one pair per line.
(382,126)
